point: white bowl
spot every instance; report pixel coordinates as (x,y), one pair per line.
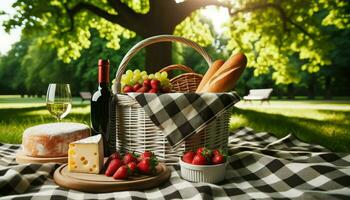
(203,173)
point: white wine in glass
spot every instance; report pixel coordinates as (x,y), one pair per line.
(59,100)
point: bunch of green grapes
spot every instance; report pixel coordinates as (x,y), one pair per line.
(137,81)
(133,77)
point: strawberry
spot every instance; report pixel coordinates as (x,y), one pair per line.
(129,157)
(199,159)
(137,86)
(121,173)
(155,84)
(153,90)
(218,159)
(128,88)
(132,167)
(216,152)
(147,83)
(147,165)
(113,167)
(188,156)
(147,154)
(143,89)
(115,155)
(204,151)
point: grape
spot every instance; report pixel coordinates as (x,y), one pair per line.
(137,71)
(143,73)
(136,77)
(157,75)
(144,77)
(151,76)
(164,75)
(129,73)
(132,82)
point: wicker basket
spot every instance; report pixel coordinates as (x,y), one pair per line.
(187,82)
(133,130)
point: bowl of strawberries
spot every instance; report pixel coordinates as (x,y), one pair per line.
(203,165)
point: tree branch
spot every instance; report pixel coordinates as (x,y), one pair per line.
(118,19)
(122,9)
(283,15)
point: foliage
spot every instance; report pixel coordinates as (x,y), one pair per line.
(272,41)
(270,32)
(32,64)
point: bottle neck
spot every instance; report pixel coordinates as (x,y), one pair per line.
(103,75)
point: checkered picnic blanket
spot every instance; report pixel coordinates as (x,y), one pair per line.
(261,167)
(180,115)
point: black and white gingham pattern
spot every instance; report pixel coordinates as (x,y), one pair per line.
(261,167)
(180,115)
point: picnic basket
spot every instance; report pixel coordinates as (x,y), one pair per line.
(132,130)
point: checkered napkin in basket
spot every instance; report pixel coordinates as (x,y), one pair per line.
(262,167)
(180,115)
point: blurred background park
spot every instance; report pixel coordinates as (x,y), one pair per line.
(299,48)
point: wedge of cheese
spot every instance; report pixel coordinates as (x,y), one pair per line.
(86,155)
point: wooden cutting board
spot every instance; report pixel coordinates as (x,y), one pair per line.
(21,158)
(100,183)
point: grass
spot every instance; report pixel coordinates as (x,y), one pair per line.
(322,122)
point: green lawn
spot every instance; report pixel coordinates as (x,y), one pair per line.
(323,122)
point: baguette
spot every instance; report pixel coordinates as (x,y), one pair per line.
(211,71)
(226,77)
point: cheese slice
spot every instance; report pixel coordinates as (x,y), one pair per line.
(86,155)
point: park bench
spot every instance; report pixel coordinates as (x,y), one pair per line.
(259,94)
(85,96)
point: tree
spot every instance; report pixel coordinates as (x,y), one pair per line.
(268,31)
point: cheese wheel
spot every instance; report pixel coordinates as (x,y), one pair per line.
(52,140)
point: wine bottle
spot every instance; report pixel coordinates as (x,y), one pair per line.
(100,104)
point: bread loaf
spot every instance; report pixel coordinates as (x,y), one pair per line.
(211,71)
(226,77)
(52,140)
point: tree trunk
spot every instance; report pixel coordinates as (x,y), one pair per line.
(328,88)
(311,86)
(158,56)
(290,91)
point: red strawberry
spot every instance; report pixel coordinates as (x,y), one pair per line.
(128,88)
(188,156)
(137,86)
(200,150)
(115,155)
(113,167)
(147,83)
(129,157)
(199,159)
(155,83)
(216,152)
(153,90)
(132,167)
(146,154)
(147,166)
(218,159)
(121,173)
(143,89)
(204,151)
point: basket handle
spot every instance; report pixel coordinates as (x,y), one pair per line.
(175,67)
(148,41)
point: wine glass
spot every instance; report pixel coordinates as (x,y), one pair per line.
(59,100)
